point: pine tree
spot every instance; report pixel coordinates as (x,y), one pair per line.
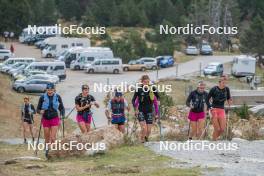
(252,41)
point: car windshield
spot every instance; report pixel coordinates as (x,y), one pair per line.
(131,62)
(206,47)
(211,66)
(16,65)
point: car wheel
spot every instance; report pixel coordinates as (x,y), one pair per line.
(49,55)
(116,71)
(154,68)
(125,69)
(77,67)
(91,71)
(143,69)
(21,89)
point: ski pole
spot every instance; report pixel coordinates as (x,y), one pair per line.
(227,124)
(127,122)
(40,125)
(207,126)
(63,127)
(69,113)
(93,123)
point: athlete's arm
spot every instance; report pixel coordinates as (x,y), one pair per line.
(94,102)
(208,99)
(61,106)
(39,110)
(229,98)
(188,101)
(135,96)
(33,109)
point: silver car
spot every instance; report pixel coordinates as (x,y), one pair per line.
(191,50)
(149,62)
(17,68)
(24,75)
(34,85)
(46,77)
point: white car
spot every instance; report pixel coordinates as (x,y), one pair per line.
(191,50)
(105,66)
(5,54)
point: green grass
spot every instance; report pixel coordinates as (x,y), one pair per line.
(184,58)
(125,160)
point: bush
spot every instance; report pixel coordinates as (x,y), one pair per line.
(166,102)
(242,112)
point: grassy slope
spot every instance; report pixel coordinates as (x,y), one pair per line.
(126,160)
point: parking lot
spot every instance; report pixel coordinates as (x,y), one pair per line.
(70,88)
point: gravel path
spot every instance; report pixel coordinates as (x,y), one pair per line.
(247,160)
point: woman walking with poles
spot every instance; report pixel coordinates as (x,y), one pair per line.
(83,104)
(145,94)
(48,106)
(196,101)
(27,112)
(116,111)
(218,95)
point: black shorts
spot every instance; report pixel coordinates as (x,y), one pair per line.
(147,117)
(28,121)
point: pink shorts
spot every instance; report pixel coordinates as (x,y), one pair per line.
(79,118)
(195,116)
(50,123)
(218,113)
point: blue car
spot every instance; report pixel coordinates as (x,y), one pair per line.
(165,61)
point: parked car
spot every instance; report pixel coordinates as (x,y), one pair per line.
(7,68)
(149,62)
(17,67)
(113,65)
(5,54)
(134,65)
(206,50)
(34,85)
(47,77)
(12,61)
(191,50)
(2,46)
(26,74)
(214,69)
(165,61)
(54,68)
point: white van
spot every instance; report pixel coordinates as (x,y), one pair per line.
(14,60)
(113,65)
(27,32)
(56,45)
(5,54)
(243,66)
(89,55)
(53,68)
